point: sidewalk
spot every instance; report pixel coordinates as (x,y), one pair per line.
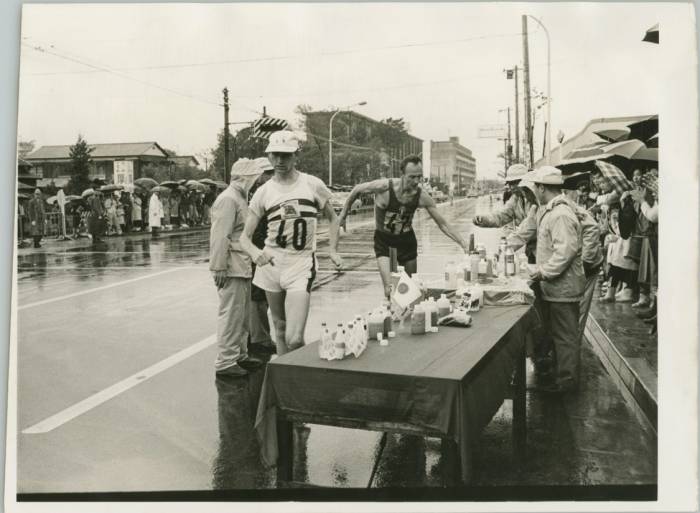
(83,241)
(629,353)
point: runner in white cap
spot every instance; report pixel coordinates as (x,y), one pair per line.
(291,202)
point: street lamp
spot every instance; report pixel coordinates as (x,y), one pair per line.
(549,91)
(330,140)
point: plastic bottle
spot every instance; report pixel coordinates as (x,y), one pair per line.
(388,321)
(510,262)
(433,309)
(443,305)
(339,343)
(450,275)
(502,256)
(375,324)
(350,340)
(418,320)
(474,267)
(323,342)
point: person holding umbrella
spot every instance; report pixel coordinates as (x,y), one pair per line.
(96,216)
(35,210)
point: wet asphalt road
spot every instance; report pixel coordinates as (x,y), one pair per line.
(117,392)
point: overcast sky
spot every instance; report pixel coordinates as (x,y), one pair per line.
(439,66)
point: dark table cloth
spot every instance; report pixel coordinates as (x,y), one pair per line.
(447,384)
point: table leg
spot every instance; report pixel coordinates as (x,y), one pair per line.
(452,456)
(519,409)
(285,447)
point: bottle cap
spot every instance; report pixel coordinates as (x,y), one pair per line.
(392,334)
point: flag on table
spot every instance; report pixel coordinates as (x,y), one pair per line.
(266,126)
(616,177)
(406,292)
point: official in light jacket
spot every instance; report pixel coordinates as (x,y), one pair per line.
(232,271)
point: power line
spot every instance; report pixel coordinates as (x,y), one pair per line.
(289,57)
(105,69)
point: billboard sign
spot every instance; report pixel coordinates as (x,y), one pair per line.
(493,132)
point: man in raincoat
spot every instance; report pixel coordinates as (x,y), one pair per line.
(96,220)
(155,213)
(560,275)
(37,219)
(515,208)
(232,271)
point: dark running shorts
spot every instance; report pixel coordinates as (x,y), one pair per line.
(406,245)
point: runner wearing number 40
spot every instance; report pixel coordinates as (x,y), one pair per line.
(290,202)
(395,202)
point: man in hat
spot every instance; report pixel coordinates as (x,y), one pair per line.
(232,271)
(560,275)
(291,202)
(96,220)
(516,205)
(396,201)
(35,210)
(260,339)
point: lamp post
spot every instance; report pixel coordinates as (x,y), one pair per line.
(330,140)
(549,91)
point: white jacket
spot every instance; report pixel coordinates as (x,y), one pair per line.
(155,211)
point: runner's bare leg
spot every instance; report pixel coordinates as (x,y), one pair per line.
(276,302)
(296,307)
(384,265)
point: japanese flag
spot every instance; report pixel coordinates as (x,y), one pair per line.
(407,291)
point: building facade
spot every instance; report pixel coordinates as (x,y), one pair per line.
(119,163)
(452,163)
(354,132)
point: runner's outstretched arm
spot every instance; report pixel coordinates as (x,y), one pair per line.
(333,232)
(429,204)
(373,187)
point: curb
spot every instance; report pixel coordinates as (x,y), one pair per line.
(635,391)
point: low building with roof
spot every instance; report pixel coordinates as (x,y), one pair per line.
(119,163)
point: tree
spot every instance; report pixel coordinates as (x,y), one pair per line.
(80,166)
(24,148)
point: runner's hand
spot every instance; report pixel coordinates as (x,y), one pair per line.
(264,259)
(337,260)
(220,279)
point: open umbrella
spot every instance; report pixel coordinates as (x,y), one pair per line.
(73,197)
(24,187)
(650,154)
(624,149)
(653,141)
(652,35)
(111,188)
(182,182)
(87,192)
(207,181)
(21,195)
(160,188)
(589,150)
(145,183)
(182,188)
(169,183)
(613,134)
(51,200)
(644,129)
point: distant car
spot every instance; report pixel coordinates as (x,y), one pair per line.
(338,202)
(472,195)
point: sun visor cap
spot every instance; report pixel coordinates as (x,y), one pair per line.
(264,164)
(245,167)
(283,141)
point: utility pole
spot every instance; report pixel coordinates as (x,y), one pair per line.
(517,119)
(528,111)
(227,169)
(509,154)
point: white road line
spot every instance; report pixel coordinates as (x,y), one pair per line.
(105,395)
(96,289)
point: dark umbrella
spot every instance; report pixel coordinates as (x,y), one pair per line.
(644,129)
(182,182)
(24,187)
(613,134)
(653,142)
(169,183)
(652,35)
(111,188)
(182,188)
(146,183)
(207,181)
